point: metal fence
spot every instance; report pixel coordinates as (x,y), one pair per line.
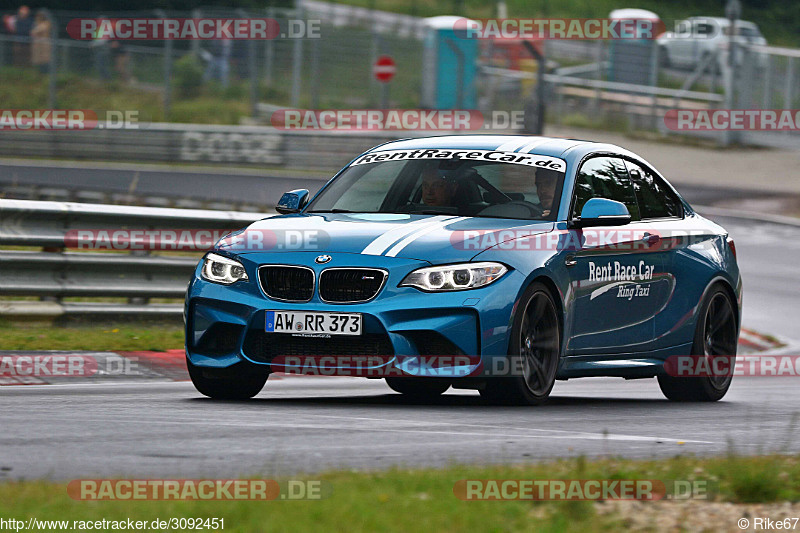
(58,283)
(600,84)
(332,71)
(623,85)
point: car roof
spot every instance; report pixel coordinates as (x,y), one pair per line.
(550,146)
(722,21)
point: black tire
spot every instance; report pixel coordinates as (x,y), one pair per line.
(238,382)
(535,349)
(716,334)
(713,68)
(420,388)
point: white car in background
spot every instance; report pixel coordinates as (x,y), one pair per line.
(697,38)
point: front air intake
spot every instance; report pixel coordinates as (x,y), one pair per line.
(350,285)
(287,283)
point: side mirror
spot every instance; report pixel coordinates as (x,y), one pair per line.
(292,201)
(603,212)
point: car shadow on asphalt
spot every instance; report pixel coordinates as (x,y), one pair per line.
(453,400)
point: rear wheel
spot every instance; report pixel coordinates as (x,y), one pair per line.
(715,66)
(715,336)
(418,387)
(533,352)
(238,382)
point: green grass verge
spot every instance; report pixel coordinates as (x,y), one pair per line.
(112,338)
(423,500)
(28,89)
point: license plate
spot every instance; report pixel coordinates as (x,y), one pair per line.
(311,322)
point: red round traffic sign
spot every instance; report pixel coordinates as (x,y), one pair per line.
(384,69)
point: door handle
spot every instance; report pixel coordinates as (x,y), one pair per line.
(570,260)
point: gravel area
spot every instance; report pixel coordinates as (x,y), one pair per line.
(700,516)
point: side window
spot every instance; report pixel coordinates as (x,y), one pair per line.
(655,198)
(703,28)
(604,177)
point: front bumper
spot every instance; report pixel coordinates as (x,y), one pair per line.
(449,334)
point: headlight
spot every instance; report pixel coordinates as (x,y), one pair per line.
(454,277)
(223,270)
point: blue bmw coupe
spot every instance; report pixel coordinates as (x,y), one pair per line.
(496,263)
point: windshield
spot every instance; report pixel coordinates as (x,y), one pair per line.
(475,183)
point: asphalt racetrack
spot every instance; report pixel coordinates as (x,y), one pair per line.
(307,424)
(303,425)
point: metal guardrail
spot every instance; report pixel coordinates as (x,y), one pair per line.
(253,146)
(635,89)
(55,274)
(87,274)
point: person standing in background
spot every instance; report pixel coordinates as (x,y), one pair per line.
(41,49)
(218,67)
(22,30)
(121,56)
(102,55)
(6,38)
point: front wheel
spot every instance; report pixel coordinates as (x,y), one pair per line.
(420,388)
(714,66)
(533,352)
(716,335)
(237,382)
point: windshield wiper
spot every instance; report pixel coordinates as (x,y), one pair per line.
(332,211)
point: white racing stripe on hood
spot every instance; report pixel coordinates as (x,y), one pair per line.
(419,233)
(384,241)
(511,146)
(533,144)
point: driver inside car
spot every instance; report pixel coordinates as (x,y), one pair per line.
(546,183)
(437,190)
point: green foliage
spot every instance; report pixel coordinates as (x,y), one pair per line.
(759,479)
(188,77)
(423,499)
(93,338)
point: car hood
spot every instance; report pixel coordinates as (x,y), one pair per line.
(432,238)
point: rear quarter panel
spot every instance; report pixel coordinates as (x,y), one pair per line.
(699,256)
